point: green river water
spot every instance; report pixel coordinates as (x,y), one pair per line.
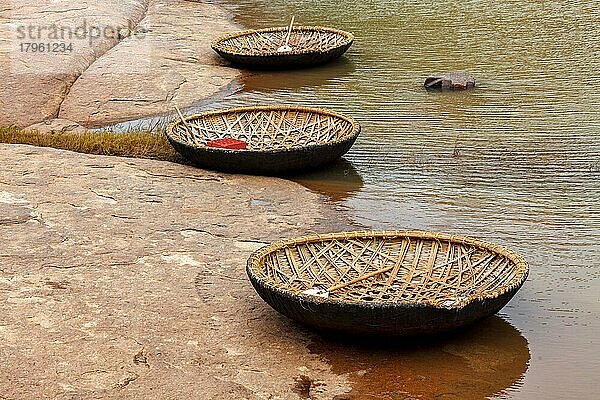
(515,162)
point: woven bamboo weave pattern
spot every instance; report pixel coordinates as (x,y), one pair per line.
(279,139)
(393,267)
(266,129)
(268,41)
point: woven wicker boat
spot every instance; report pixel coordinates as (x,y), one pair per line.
(310,45)
(280,139)
(388,282)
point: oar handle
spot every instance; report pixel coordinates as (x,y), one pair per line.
(182,117)
(361,278)
(287,39)
(386,269)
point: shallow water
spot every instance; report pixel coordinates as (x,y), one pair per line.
(516,161)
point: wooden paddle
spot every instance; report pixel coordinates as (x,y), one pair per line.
(285,48)
(182,118)
(326,292)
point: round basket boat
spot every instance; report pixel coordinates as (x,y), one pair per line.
(386,283)
(310,45)
(279,139)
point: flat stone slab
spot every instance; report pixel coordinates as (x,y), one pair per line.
(34,84)
(57,126)
(124,278)
(171,63)
(150,56)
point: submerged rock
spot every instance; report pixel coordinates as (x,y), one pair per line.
(450,81)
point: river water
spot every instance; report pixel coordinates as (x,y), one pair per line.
(516,162)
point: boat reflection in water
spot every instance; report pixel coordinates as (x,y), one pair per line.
(265,81)
(337,181)
(483,360)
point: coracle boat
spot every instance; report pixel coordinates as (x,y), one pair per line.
(280,48)
(277,139)
(393,283)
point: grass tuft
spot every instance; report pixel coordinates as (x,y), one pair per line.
(128,144)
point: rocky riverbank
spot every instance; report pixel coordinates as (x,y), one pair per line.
(123,60)
(123,278)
